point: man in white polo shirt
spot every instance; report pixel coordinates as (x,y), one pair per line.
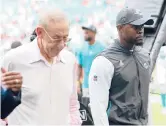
(49,95)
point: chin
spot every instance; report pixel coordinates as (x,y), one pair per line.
(139,44)
(53,55)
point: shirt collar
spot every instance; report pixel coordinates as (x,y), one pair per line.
(123,48)
(60,57)
(36,55)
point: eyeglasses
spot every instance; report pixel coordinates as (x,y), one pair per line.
(66,39)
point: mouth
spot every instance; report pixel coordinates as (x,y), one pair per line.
(139,38)
(139,41)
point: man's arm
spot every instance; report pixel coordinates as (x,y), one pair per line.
(79,71)
(80,76)
(11,83)
(100,78)
(75,118)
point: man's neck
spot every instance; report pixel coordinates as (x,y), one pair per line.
(43,53)
(126,45)
(92,42)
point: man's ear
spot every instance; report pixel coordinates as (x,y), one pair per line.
(119,27)
(39,31)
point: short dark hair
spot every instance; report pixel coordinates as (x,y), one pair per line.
(34,32)
(33,36)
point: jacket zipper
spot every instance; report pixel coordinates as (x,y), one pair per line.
(140,108)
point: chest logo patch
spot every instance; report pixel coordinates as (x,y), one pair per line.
(146,65)
(121,63)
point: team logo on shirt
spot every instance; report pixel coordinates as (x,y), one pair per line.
(146,65)
(121,63)
(95,78)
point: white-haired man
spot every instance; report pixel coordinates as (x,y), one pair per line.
(49,95)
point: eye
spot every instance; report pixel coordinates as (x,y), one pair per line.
(65,38)
(56,38)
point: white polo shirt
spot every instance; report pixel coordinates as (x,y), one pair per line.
(48,94)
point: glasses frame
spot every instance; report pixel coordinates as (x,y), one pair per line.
(52,39)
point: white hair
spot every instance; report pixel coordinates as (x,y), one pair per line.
(51,15)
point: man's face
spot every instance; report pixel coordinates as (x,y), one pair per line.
(132,34)
(54,37)
(88,35)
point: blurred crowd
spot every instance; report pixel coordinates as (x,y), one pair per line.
(15,14)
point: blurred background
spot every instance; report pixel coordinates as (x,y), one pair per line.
(19,17)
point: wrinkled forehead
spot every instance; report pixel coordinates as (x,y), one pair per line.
(59,27)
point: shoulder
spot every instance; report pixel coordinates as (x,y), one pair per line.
(110,51)
(81,48)
(100,43)
(101,68)
(102,63)
(142,51)
(20,52)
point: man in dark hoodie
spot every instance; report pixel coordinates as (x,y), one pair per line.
(119,77)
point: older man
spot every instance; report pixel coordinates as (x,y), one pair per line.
(49,95)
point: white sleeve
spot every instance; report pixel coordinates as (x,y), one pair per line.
(100,78)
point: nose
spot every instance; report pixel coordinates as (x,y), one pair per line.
(62,41)
(140,31)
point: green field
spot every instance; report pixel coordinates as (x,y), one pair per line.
(157,117)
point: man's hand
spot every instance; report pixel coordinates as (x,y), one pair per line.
(11,80)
